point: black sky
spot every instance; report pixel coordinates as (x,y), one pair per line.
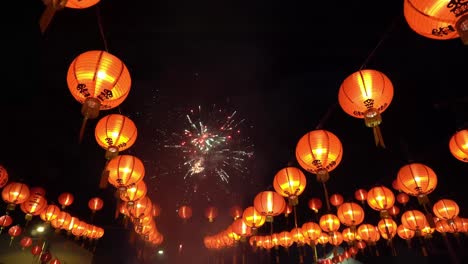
(279,64)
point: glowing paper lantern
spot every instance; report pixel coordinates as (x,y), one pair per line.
(366,94)
(458,145)
(446,209)
(269,204)
(115,133)
(437,19)
(290,182)
(15,193)
(95,204)
(211,213)
(125,170)
(65,199)
(185,212)
(3,176)
(134,192)
(99,81)
(417,179)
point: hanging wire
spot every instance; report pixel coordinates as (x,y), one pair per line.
(101,28)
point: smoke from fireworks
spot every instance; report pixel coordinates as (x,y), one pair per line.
(211,144)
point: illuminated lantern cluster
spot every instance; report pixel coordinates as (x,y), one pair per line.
(366,94)
(437,19)
(99,81)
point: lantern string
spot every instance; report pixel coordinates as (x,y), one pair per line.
(101,28)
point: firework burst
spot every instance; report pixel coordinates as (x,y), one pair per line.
(211,144)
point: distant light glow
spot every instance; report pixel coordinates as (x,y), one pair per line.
(160,252)
(40,229)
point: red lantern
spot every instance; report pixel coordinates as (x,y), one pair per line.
(5,221)
(156,210)
(65,199)
(290,182)
(33,206)
(336,199)
(134,192)
(319,152)
(185,212)
(315,204)
(236,212)
(115,133)
(437,19)
(366,94)
(350,214)
(25,242)
(211,213)
(15,193)
(269,204)
(417,179)
(54,261)
(402,198)
(46,257)
(3,176)
(381,198)
(50,213)
(95,204)
(36,250)
(14,231)
(458,145)
(125,170)
(446,209)
(361,195)
(99,81)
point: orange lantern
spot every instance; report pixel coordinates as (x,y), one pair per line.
(185,212)
(33,206)
(335,238)
(394,210)
(381,198)
(287,210)
(3,176)
(25,242)
(115,133)
(417,179)
(50,213)
(15,193)
(14,231)
(253,218)
(65,199)
(350,214)
(315,204)
(329,222)
(285,239)
(5,221)
(437,19)
(458,145)
(446,209)
(125,170)
(311,231)
(361,195)
(211,213)
(53,6)
(414,220)
(240,228)
(99,81)
(235,212)
(402,198)
(319,152)
(405,233)
(95,204)
(62,220)
(155,210)
(134,192)
(140,208)
(269,204)
(366,94)
(336,199)
(290,182)
(368,233)
(387,228)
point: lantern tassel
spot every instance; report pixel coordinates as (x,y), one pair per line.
(378,137)
(83,126)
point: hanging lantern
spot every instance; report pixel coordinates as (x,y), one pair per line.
(437,19)
(125,170)
(253,218)
(5,221)
(134,192)
(15,193)
(269,204)
(381,198)
(25,242)
(211,213)
(140,208)
(3,176)
(414,220)
(458,145)
(53,6)
(236,212)
(55,261)
(287,210)
(62,221)
(50,213)
(366,94)
(387,228)
(185,212)
(95,204)
(14,231)
(290,182)
(240,228)
(315,204)
(115,133)
(361,195)
(285,239)
(329,222)
(394,211)
(155,210)
(99,81)
(446,209)
(33,206)
(402,198)
(336,199)
(319,152)
(405,233)
(350,214)
(65,199)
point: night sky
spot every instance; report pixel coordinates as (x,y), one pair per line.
(279,65)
